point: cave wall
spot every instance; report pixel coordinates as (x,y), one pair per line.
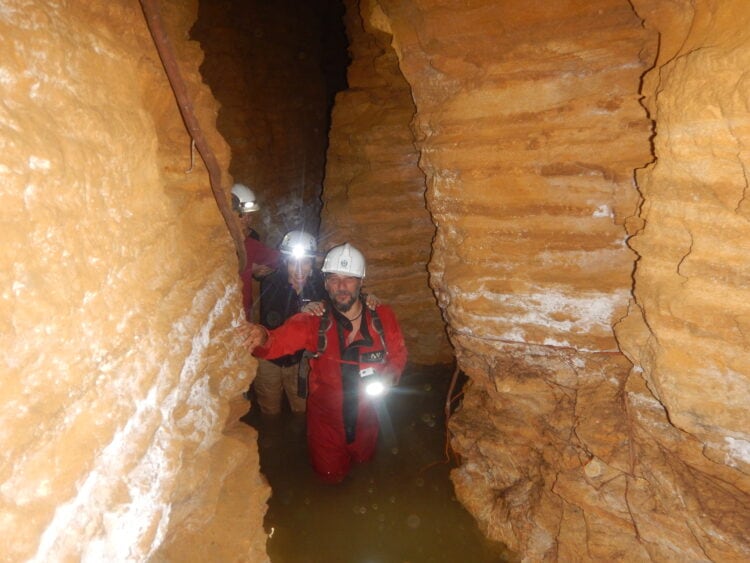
(585,171)
(121,369)
(374,190)
(687,330)
(265,63)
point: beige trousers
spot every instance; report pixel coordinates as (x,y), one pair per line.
(271,382)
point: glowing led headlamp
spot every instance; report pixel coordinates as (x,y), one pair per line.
(247,207)
(375,388)
(298,251)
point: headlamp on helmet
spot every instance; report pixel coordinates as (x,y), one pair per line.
(243,199)
(298,245)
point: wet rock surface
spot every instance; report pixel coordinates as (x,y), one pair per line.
(580,442)
(119,365)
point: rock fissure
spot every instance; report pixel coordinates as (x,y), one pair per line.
(745,186)
(638,536)
(685,257)
(622,395)
(698,539)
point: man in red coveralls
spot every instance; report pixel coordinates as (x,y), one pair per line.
(353,346)
(261,260)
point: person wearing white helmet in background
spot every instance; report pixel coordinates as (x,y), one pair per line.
(283,294)
(261,259)
(357,352)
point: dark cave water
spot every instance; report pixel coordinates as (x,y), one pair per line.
(400,507)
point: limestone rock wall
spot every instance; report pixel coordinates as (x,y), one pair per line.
(691,284)
(374,190)
(529,131)
(264,63)
(120,367)
(687,331)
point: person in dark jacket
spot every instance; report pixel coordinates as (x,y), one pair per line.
(282,295)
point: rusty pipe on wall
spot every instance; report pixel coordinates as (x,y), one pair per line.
(166,54)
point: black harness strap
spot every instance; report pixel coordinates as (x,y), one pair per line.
(325,324)
(349,364)
(379,329)
(304,365)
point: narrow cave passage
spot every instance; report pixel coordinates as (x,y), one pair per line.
(276,69)
(584,164)
(585,172)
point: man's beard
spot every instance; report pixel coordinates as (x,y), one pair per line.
(343,307)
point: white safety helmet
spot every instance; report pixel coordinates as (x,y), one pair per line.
(243,199)
(298,244)
(345,260)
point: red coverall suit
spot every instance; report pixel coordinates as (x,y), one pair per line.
(342,424)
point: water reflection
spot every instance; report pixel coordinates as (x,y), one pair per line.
(400,507)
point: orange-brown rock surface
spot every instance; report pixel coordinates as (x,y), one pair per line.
(374,191)
(121,368)
(687,331)
(529,131)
